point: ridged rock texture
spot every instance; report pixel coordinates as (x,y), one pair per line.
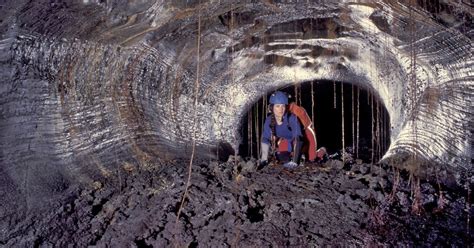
(88,86)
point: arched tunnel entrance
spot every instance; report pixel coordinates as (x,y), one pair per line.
(344,115)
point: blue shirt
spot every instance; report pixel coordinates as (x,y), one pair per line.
(289,129)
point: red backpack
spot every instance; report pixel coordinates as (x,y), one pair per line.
(301,113)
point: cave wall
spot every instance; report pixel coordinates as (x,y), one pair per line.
(89,86)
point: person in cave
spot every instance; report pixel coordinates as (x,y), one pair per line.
(310,142)
(276,129)
(282,131)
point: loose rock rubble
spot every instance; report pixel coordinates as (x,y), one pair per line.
(232,204)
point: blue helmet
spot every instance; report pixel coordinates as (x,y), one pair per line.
(279,97)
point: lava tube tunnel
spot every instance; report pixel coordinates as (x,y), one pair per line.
(138,123)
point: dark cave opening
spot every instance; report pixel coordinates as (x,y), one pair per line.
(366,120)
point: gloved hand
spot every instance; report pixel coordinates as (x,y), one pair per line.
(265,150)
(290,165)
(262,164)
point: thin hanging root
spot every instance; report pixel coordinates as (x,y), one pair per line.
(377,129)
(413,82)
(358,108)
(372,127)
(256,129)
(342,115)
(441,201)
(353,121)
(196,89)
(299,95)
(264,115)
(301,98)
(312,104)
(416,207)
(384,136)
(235,159)
(250,132)
(295,93)
(217,152)
(368,97)
(468,207)
(396,184)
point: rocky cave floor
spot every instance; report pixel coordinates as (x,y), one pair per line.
(233,204)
